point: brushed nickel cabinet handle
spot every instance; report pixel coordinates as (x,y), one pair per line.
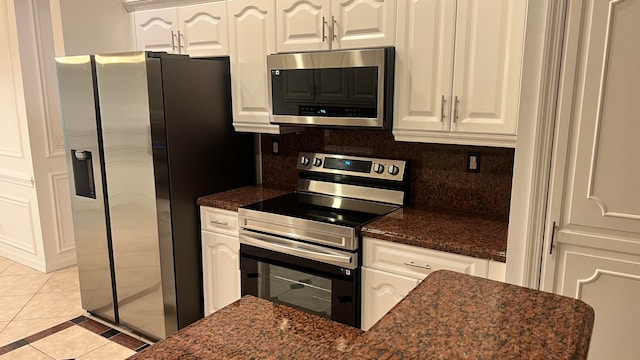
(334,24)
(218,222)
(411,263)
(455,109)
(442,109)
(173,40)
(180,36)
(324,24)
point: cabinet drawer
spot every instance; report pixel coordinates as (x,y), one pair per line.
(218,220)
(417,262)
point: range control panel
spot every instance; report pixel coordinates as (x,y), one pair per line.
(386,169)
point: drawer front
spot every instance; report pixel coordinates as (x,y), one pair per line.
(418,262)
(218,220)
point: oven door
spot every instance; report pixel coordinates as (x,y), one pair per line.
(286,273)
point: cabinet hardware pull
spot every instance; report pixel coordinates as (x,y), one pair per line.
(334,24)
(324,24)
(173,40)
(442,109)
(180,35)
(455,109)
(553,235)
(411,263)
(218,222)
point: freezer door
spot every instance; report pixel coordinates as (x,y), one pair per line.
(129,168)
(80,122)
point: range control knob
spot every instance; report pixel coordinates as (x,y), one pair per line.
(304,161)
(317,161)
(378,168)
(393,170)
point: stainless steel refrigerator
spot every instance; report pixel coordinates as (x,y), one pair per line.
(146,134)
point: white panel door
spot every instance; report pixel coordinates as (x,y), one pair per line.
(488,59)
(424,65)
(251,38)
(363,23)
(157,30)
(221,270)
(303,25)
(381,291)
(203,29)
(594,199)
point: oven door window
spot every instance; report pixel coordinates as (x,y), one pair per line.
(307,285)
(297,289)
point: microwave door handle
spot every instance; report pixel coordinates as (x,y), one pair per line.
(281,245)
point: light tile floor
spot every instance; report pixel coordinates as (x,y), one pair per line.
(31,302)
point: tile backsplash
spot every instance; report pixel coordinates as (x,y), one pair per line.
(437,173)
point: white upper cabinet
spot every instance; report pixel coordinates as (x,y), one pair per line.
(198,30)
(157,30)
(458,70)
(251,38)
(304,25)
(203,29)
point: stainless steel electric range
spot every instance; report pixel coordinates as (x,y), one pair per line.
(302,249)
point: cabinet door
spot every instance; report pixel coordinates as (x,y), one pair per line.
(221,270)
(488,59)
(157,30)
(251,38)
(381,291)
(203,29)
(424,65)
(303,25)
(363,23)
(594,254)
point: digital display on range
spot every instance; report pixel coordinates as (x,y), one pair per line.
(348,164)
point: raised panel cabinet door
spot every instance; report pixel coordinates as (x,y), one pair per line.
(424,66)
(487,66)
(363,23)
(610,283)
(381,291)
(203,29)
(251,38)
(593,247)
(303,25)
(157,30)
(221,270)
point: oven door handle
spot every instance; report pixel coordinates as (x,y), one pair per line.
(296,248)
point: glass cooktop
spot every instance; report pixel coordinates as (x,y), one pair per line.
(323,208)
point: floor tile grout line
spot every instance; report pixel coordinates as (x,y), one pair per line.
(28,343)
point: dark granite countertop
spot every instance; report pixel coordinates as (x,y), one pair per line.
(458,232)
(253,328)
(233,199)
(448,316)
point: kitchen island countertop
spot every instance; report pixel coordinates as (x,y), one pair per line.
(448,316)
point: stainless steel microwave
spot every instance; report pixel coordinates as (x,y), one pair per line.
(345,89)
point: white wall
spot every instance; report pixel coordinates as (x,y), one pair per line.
(95,26)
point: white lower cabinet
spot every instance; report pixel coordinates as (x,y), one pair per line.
(380,292)
(391,270)
(220,258)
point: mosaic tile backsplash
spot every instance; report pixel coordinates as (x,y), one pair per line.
(437,173)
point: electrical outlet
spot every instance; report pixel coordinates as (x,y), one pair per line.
(473,162)
(275,147)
